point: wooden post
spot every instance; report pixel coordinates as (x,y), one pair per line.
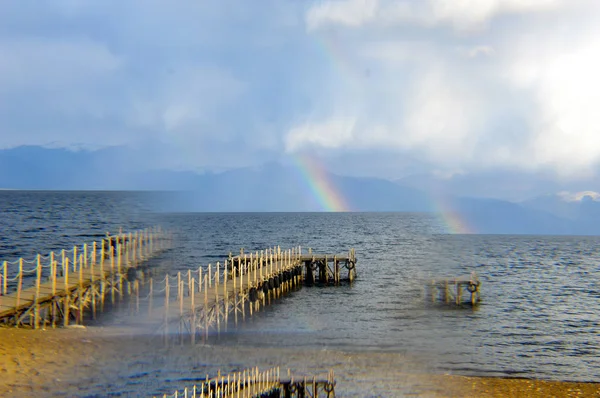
(85,260)
(4,278)
(74,258)
(336,270)
(112,275)
(67,297)
(20,286)
(217,308)
(80,294)
(193,307)
(119,247)
(128,247)
(167,292)
(458,292)
(36,314)
(93,284)
(225,294)
(190,286)
(199,279)
(180,288)
(134,248)
(235,300)
(446,293)
(53,276)
(150,296)
(206,277)
(53,273)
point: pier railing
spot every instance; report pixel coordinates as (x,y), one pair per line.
(252,383)
(88,270)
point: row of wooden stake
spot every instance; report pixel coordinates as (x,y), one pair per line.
(246,384)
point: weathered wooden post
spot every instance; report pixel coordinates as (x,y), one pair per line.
(193,308)
(54,301)
(167,293)
(20,286)
(67,297)
(38,279)
(206,305)
(447,292)
(336,271)
(181,320)
(80,317)
(150,297)
(74,259)
(112,275)
(4,277)
(85,253)
(199,279)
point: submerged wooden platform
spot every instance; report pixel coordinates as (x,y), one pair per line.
(457,291)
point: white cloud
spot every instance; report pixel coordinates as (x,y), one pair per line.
(459,14)
(449,85)
(335,132)
(518,93)
(563,79)
(348,12)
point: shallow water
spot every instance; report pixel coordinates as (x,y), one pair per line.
(539,314)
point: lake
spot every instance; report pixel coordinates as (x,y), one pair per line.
(540,309)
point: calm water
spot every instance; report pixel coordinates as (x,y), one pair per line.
(539,317)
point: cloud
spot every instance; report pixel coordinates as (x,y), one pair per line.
(467,85)
(191,77)
(437,85)
(460,15)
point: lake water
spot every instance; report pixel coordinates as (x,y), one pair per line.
(540,310)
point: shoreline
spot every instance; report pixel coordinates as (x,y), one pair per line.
(99,361)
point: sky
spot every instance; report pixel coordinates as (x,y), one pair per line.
(373,87)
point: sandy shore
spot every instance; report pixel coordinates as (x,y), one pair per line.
(100,362)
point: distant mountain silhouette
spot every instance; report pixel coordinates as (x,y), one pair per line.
(581,208)
(275,187)
(506,184)
(492,216)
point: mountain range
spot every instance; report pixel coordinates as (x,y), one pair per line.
(277,187)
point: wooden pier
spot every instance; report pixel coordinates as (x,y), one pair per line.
(207,298)
(253,383)
(56,289)
(450,290)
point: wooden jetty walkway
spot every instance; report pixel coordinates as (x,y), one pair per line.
(253,383)
(62,287)
(206,298)
(450,290)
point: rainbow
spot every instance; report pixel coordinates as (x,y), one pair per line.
(317,179)
(453,221)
